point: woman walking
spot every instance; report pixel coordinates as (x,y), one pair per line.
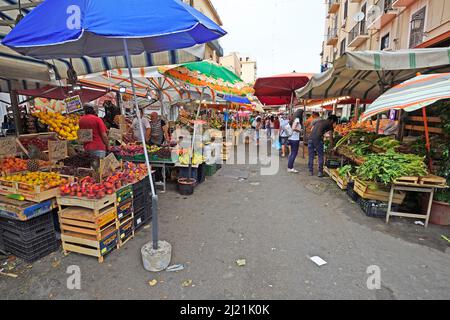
(294,139)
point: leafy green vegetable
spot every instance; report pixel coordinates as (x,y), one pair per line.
(343,171)
(386,143)
(389,166)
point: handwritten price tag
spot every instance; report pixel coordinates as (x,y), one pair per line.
(85,135)
(111,162)
(57,150)
(8,146)
(115,134)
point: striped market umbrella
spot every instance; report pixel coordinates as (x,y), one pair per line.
(412,94)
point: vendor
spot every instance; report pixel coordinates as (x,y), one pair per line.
(100,141)
(145,126)
(159,130)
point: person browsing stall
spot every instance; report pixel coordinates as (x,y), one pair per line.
(315,142)
(145,126)
(100,141)
(159,130)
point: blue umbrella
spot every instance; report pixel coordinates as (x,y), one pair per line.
(102,28)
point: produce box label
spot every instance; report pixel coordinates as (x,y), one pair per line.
(123,124)
(8,146)
(85,135)
(73,104)
(115,134)
(57,150)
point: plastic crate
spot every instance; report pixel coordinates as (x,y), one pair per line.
(30,229)
(124,193)
(351,193)
(210,170)
(30,251)
(124,209)
(142,217)
(374,208)
(333,163)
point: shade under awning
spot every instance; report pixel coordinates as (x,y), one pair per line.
(60,93)
(367,74)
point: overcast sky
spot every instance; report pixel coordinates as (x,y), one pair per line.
(283,35)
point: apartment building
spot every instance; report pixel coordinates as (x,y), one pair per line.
(243,67)
(384,25)
(213,49)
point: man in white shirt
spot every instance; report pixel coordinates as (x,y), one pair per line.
(145,125)
(284,137)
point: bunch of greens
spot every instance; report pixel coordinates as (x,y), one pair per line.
(360,149)
(389,166)
(386,143)
(444,148)
(345,170)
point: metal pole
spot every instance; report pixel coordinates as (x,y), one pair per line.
(427,137)
(193,135)
(16,112)
(147,161)
(357,109)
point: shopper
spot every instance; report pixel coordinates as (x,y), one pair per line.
(100,141)
(284,135)
(145,126)
(294,139)
(258,124)
(159,130)
(315,142)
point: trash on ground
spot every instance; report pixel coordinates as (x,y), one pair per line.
(419,223)
(175,268)
(12,275)
(153,282)
(445,238)
(186,283)
(318,260)
(254,183)
(241,262)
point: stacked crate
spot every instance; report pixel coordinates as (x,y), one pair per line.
(142,203)
(29,240)
(89,226)
(125,214)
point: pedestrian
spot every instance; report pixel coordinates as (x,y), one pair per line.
(269,125)
(145,126)
(159,130)
(284,135)
(315,142)
(100,141)
(294,139)
(258,125)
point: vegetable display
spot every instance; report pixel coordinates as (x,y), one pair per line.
(345,170)
(386,143)
(389,166)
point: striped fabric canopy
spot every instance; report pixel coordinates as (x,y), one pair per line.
(412,95)
(367,74)
(18,72)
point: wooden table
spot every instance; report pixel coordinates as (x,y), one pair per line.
(412,188)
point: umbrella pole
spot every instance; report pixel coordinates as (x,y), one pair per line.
(193,135)
(427,137)
(147,162)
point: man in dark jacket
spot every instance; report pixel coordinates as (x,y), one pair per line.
(315,142)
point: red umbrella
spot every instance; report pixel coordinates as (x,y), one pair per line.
(280,89)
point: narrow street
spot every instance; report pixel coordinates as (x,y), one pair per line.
(275,223)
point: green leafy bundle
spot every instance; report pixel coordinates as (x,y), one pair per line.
(389,166)
(386,143)
(343,171)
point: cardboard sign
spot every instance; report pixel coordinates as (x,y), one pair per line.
(110,162)
(85,135)
(57,150)
(123,124)
(115,134)
(8,146)
(73,104)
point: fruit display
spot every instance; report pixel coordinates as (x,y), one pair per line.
(164,153)
(389,166)
(345,128)
(153,149)
(196,159)
(46,180)
(87,187)
(40,143)
(11,165)
(81,160)
(66,126)
(129,150)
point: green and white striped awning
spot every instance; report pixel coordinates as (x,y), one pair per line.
(21,72)
(367,74)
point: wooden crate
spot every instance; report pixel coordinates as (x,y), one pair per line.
(432,180)
(342,182)
(94,204)
(87,232)
(407,180)
(362,188)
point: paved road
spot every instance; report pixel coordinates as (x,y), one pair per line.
(275,223)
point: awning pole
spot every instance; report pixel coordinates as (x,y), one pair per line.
(358,101)
(427,138)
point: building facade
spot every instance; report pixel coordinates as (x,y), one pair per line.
(243,67)
(384,25)
(213,49)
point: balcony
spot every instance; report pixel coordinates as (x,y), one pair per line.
(217,47)
(332,37)
(333,6)
(358,35)
(377,20)
(402,3)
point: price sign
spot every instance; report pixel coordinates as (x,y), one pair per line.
(8,146)
(115,134)
(57,150)
(73,104)
(123,124)
(85,135)
(111,162)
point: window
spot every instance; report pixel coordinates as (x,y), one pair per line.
(343,46)
(345,9)
(385,42)
(417,28)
